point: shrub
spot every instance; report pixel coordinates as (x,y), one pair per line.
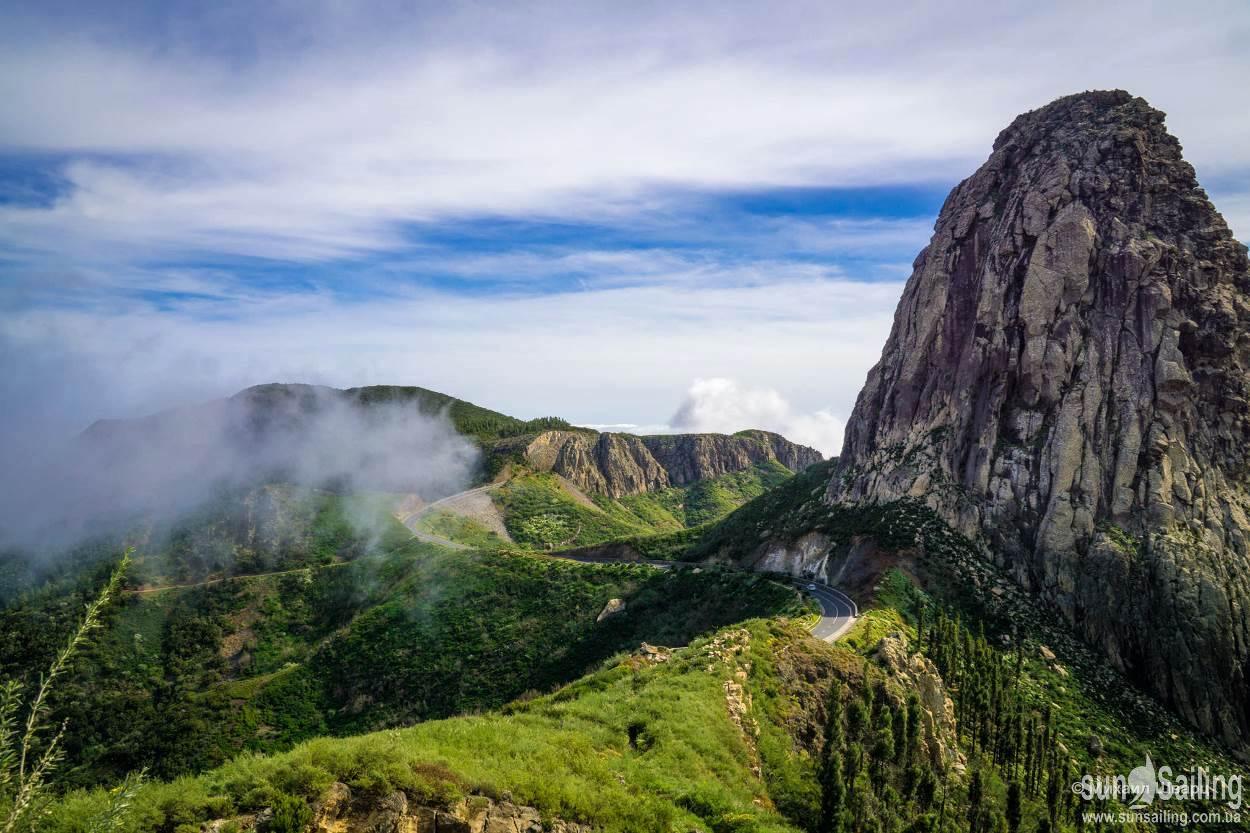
(290,815)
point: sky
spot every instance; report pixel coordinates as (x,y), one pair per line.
(690,216)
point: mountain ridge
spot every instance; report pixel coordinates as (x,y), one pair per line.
(610,463)
(618,465)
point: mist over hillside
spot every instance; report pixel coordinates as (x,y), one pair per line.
(153,469)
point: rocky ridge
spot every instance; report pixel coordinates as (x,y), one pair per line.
(339,811)
(624,464)
(1068,381)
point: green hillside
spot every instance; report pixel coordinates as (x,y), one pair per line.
(713,738)
(541,513)
(753,727)
(482,424)
(342,637)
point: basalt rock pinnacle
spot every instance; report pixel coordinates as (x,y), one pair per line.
(1068,380)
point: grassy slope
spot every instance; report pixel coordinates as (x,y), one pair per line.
(569,752)
(462,530)
(688,767)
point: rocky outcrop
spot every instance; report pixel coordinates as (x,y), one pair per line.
(917,673)
(624,464)
(339,811)
(612,608)
(609,464)
(1068,380)
(691,457)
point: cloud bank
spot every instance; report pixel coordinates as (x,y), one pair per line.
(195,198)
(322,130)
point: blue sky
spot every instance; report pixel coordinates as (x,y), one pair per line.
(610,214)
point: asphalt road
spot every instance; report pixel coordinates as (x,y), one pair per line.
(838,611)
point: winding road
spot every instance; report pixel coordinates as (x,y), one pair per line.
(410,519)
(838,610)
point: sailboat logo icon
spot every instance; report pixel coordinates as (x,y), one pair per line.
(1143,784)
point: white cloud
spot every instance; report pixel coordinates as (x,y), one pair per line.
(725,406)
(609,355)
(335,126)
(324,139)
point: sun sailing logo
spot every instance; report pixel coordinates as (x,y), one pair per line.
(1147,784)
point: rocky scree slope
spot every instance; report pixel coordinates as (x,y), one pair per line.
(618,465)
(1068,380)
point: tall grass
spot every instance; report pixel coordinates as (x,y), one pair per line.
(30,750)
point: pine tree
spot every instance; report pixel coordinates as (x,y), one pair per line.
(1014,809)
(856,719)
(883,747)
(976,792)
(832,789)
(902,732)
(913,726)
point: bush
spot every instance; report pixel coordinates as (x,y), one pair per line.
(290,815)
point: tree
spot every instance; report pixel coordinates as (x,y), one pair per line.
(883,747)
(976,792)
(1015,810)
(832,789)
(27,760)
(902,735)
(913,725)
(856,719)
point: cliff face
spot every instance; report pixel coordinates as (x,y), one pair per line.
(1068,379)
(623,464)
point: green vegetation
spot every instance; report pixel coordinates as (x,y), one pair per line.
(460,529)
(785,511)
(753,727)
(636,746)
(271,528)
(482,424)
(1122,540)
(710,500)
(30,751)
(818,738)
(540,513)
(189,677)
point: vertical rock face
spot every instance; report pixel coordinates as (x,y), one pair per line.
(624,464)
(1068,379)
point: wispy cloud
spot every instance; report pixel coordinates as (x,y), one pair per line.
(198,197)
(610,355)
(317,145)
